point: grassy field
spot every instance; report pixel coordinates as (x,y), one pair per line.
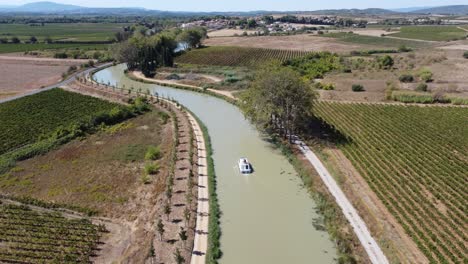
(30,236)
(9,48)
(414,159)
(432,33)
(375,41)
(69,32)
(236,56)
(27,119)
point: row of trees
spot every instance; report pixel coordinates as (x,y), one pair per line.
(147,53)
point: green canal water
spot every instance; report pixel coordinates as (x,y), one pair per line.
(267,217)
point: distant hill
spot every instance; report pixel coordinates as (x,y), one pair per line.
(445,10)
(46,7)
(410,9)
(368,11)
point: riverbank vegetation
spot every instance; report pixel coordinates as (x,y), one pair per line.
(412,158)
(278,100)
(148,53)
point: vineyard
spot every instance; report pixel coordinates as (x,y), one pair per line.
(236,56)
(28,119)
(28,236)
(414,159)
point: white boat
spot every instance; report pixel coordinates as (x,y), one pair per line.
(244,166)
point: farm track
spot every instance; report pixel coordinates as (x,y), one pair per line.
(69,80)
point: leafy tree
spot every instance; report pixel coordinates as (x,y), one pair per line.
(192,37)
(147,53)
(3,40)
(279,100)
(178,257)
(167,210)
(183,235)
(160,229)
(187,215)
(15,40)
(33,39)
(251,23)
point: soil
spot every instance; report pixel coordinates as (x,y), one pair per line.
(229,32)
(23,74)
(448,66)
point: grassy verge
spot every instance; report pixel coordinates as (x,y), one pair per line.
(333,217)
(214,229)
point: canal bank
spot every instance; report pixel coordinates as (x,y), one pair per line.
(267,217)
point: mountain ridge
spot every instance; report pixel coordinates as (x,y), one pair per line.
(48,7)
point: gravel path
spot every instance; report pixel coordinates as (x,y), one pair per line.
(201,230)
(360,229)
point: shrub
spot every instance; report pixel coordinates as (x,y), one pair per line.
(173,76)
(60,55)
(325,86)
(152,168)
(403,48)
(406,78)
(72,69)
(386,62)
(91,63)
(153,153)
(357,88)
(465,55)
(145,179)
(422,87)
(425,75)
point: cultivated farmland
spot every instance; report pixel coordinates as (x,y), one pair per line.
(10,48)
(63,31)
(375,41)
(28,119)
(30,236)
(431,33)
(414,159)
(236,56)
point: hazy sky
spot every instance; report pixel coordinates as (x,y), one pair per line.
(243,5)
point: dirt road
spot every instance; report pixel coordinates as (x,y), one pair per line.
(360,229)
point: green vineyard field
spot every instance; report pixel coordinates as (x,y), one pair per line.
(28,236)
(236,56)
(415,159)
(27,119)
